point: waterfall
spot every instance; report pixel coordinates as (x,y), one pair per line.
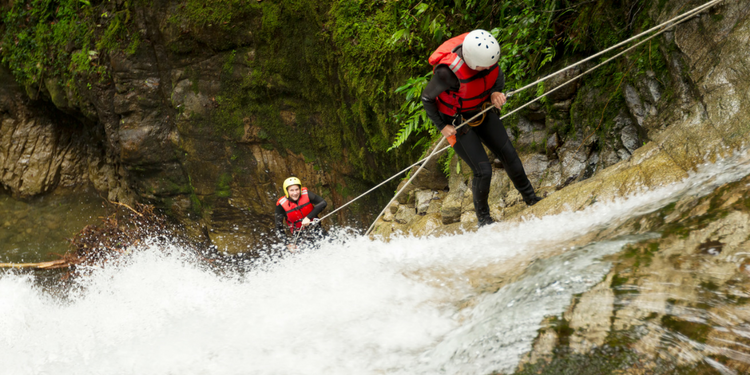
(470,303)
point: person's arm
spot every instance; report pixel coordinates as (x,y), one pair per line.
(497,97)
(281,227)
(443,79)
(499,82)
(319,203)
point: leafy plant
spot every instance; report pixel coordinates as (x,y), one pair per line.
(412,117)
(59,38)
(526,35)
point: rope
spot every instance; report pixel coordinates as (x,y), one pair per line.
(435,151)
(663,26)
(296,235)
(675,20)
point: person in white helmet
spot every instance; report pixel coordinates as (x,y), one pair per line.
(465,78)
(295,214)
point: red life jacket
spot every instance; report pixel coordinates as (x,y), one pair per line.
(296,212)
(474,86)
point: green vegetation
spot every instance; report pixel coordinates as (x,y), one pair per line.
(525,30)
(601,360)
(695,331)
(537,37)
(327,80)
(63,39)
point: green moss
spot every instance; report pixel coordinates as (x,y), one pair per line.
(64,39)
(228,66)
(695,331)
(599,361)
(563,330)
(709,285)
(668,209)
(640,254)
(223,189)
(618,281)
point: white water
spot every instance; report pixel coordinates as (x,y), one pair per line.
(359,307)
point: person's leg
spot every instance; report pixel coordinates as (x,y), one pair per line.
(469,149)
(493,134)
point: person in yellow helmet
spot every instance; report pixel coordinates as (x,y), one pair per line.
(295,212)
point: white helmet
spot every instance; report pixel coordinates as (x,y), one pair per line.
(480,48)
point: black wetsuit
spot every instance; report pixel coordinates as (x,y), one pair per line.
(309,234)
(469,142)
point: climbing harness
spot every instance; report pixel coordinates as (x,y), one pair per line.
(480,120)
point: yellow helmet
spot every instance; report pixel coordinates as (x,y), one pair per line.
(289,182)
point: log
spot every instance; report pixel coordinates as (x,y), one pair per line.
(61,263)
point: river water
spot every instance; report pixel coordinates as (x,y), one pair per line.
(472,303)
(37,229)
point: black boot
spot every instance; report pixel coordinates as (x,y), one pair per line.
(484,217)
(532,199)
(528,194)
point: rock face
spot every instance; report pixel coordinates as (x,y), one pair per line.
(672,301)
(206,120)
(42,148)
(203,121)
(651,140)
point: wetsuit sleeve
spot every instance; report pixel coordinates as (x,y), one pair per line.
(499,82)
(281,228)
(442,80)
(319,203)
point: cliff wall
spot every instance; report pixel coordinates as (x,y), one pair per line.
(205,107)
(680,102)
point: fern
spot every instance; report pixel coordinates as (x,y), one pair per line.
(412,117)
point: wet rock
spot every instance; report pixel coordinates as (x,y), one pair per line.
(450,212)
(536,166)
(425,224)
(435,206)
(592,165)
(634,103)
(423,200)
(553,143)
(58,95)
(630,138)
(389,215)
(499,186)
(710,247)
(405,214)
(573,160)
(543,348)
(430,177)
(468,217)
(468,201)
(551,178)
(532,135)
(561,92)
(590,319)
(41,148)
